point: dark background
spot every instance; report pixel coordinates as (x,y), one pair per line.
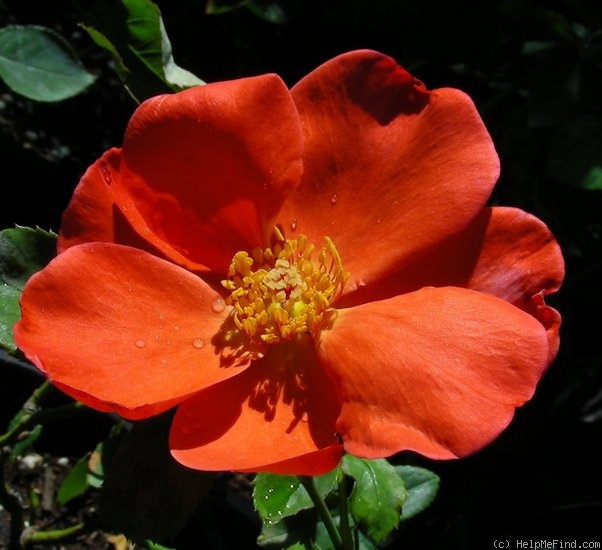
(534,70)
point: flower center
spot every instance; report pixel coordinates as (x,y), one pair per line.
(281,292)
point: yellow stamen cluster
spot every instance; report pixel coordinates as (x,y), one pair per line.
(280,292)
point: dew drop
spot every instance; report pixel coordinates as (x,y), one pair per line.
(293,224)
(198,343)
(333,199)
(218,305)
(106,175)
(91,249)
(304,417)
(164,360)
(378,220)
(140,343)
(176,328)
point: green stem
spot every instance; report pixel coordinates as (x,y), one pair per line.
(344,527)
(323,512)
(28,417)
(37,398)
(57,535)
(27,420)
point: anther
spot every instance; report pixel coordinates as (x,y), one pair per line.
(279,292)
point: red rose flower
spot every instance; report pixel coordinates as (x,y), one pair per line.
(301,272)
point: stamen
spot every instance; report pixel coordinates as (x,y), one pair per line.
(279,292)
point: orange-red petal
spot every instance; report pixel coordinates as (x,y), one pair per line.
(133,332)
(504,251)
(390,168)
(277,416)
(92,214)
(205,171)
(439,371)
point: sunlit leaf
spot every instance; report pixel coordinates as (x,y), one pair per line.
(377,496)
(279,496)
(39,64)
(75,483)
(422,486)
(134,33)
(23,251)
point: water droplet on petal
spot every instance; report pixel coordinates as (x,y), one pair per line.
(176,328)
(218,305)
(304,417)
(164,360)
(198,343)
(91,249)
(140,343)
(378,220)
(333,199)
(293,224)
(106,174)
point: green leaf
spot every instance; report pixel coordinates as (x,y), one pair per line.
(575,154)
(146,494)
(39,64)
(23,251)
(295,532)
(324,542)
(134,34)
(377,496)
(75,483)
(422,486)
(278,496)
(88,471)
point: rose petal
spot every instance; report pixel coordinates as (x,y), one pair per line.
(277,416)
(408,167)
(206,170)
(128,329)
(505,252)
(438,371)
(92,215)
